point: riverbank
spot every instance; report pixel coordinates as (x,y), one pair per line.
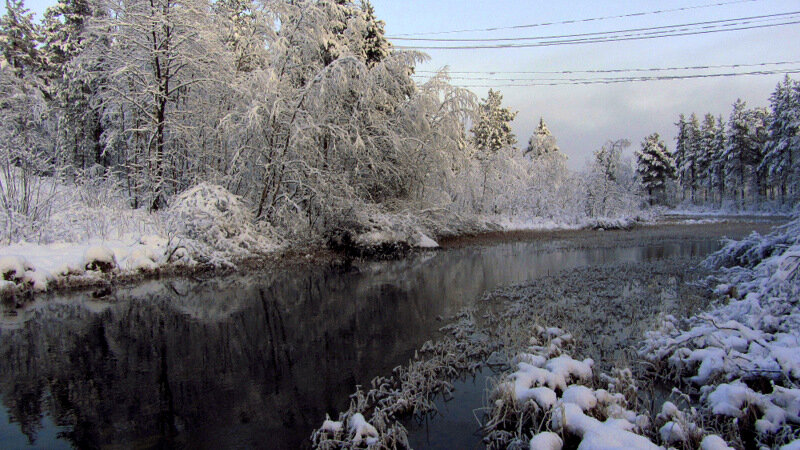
(606,313)
(207,239)
(257,358)
(29,269)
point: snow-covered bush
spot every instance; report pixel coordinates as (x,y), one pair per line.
(214,227)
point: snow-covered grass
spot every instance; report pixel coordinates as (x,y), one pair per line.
(410,390)
(733,369)
(624,222)
(550,395)
(741,357)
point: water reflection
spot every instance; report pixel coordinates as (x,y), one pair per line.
(244,362)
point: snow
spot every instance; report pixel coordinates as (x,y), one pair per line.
(730,399)
(569,369)
(714,442)
(753,333)
(98,255)
(50,262)
(332,426)
(38,279)
(543,396)
(794,445)
(207,225)
(581,396)
(672,433)
(597,435)
(424,241)
(362,431)
(546,440)
(13,266)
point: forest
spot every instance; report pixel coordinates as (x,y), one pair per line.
(280,123)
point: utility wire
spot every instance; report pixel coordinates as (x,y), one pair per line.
(568,22)
(588,81)
(593,41)
(591,71)
(721,22)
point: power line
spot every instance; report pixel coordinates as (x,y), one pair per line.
(575,21)
(592,41)
(591,71)
(720,22)
(617,80)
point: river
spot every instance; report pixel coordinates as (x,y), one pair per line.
(258,360)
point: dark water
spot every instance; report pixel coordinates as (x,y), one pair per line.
(246,362)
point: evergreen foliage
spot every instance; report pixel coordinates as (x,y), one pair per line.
(541,142)
(748,160)
(492,130)
(655,167)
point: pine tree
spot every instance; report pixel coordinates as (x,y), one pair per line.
(717,160)
(74,86)
(541,143)
(705,154)
(376,46)
(689,170)
(655,168)
(492,130)
(19,38)
(62,33)
(682,148)
(783,139)
(745,140)
(243,34)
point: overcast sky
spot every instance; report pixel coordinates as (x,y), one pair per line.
(583,117)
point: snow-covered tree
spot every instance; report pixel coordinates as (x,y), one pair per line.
(62,33)
(706,152)
(610,181)
(492,130)
(245,32)
(162,52)
(541,142)
(655,168)
(686,154)
(19,37)
(682,146)
(26,156)
(782,145)
(376,46)
(74,80)
(745,140)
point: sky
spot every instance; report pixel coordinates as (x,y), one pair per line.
(583,117)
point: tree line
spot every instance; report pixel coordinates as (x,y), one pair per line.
(748,160)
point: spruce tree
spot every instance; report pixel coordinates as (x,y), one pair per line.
(19,38)
(682,148)
(783,139)
(705,154)
(655,167)
(541,143)
(492,130)
(376,46)
(743,152)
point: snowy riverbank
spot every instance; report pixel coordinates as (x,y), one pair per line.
(207,227)
(729,373)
